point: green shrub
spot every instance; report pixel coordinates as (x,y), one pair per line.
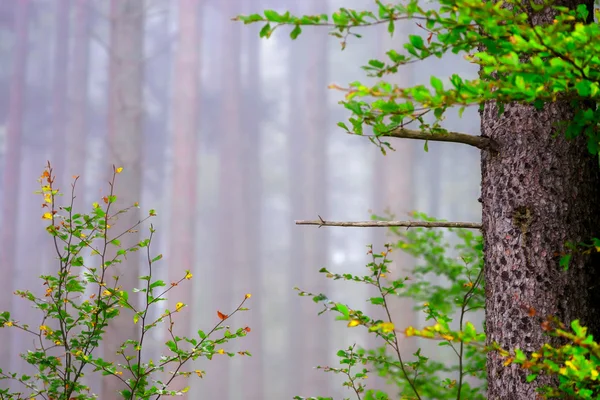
(79,304)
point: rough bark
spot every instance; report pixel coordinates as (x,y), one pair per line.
(12,162)
(538,192)
(125,110)
(185,167)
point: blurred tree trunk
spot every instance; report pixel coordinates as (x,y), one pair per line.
(232,221)
(12,162)
(59,92)
(393,193)
(78,96)
(157,133)
(185,166)
(316,194)
(308,177)
(125,110)
(298,261)
(250,277)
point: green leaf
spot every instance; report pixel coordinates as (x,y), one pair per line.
(437,84)
(564,261)
(265,31)
(295,32)
(416,41)
(342,309)
(273,16)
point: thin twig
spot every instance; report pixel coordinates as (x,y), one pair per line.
(386,224)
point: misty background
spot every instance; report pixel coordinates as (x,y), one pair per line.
(230,138)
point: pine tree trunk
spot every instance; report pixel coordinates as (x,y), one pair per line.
(78,99)
(183,203)
(538,192)
(125,111)
(59,93)
(250,276)
(11,172)
(232,219)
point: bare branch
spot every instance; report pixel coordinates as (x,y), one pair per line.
(386,224)
(480,142)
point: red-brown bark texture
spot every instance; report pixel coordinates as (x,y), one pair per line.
(539,191)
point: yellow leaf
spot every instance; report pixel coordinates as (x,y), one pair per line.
(188,276)
(353,323)
(179,306)
(508,362)
(199,373)
(387,327)
(410,331)
(119,170)
(47,216)
(95,205)
(248,295)
(221,351)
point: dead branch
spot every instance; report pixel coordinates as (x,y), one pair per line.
(386,224)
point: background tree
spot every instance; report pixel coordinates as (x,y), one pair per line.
(185,166)
(125,112)
(78,104)
(12,155)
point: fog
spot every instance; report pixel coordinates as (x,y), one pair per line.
(230,138)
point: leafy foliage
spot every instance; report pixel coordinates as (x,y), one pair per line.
(80,301)
(445,304)
(520,61)
(575,359)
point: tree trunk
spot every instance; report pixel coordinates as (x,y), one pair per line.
(232,221)
(12,162)
(185,168)
(315,110)
(250,275)
(59,93)
(78,99)
(538,192)
(125,106)
(298,259)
